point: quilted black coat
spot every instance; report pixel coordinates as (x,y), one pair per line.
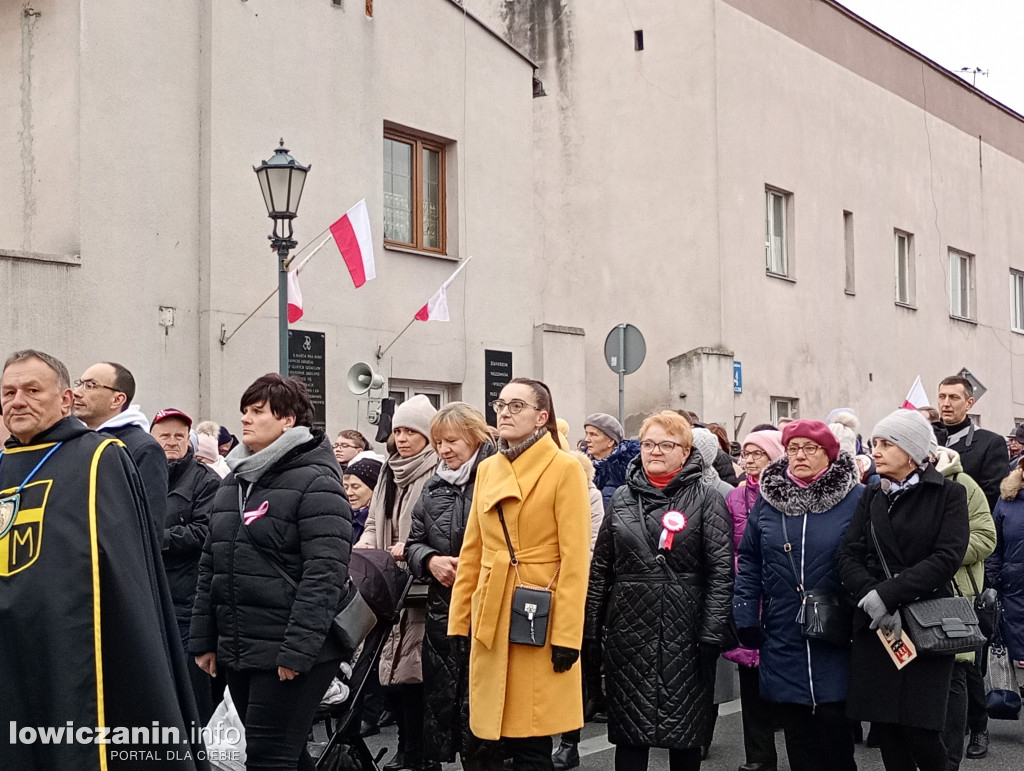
(653,609)
(244,609)
(438,525)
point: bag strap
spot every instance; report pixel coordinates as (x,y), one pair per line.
(788,548)
(888,573)
(272,562)
(514,561)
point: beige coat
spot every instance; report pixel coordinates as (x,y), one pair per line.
(513,689)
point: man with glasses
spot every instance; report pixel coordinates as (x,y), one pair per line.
(610,452)
(103,401)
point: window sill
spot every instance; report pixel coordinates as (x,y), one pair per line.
(849,293)
(908,306)
(1017,331)
(780,277)
(59,259)
(973,322)
(420,252)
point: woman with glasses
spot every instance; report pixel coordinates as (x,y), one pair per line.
(530,498)
(917,521)
(807,498)
(658,602)
(759,449)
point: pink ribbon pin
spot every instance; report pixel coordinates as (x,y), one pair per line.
(248,517)
(672,522)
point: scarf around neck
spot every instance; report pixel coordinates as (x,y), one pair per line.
(457,477)
(408,469)
(250,466)
(514,452)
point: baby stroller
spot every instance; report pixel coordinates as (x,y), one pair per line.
(384,585)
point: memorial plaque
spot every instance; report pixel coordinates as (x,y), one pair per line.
(306,362)
(497,373)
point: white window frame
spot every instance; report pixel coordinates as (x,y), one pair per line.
(777,249)
(961,287)
(1017,301)
(791,408)
(850,281)
(438,393)
(906,273)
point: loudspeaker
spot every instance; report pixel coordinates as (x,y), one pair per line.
(361,378)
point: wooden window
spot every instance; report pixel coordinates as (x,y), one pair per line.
(414,192)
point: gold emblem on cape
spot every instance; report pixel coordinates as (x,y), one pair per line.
(22,536)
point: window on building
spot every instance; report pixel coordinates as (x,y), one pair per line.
(778,206)
(784,407)
(439,394)
(1017,301)
(906,276)
(850,286)
(414,194)
(961,285)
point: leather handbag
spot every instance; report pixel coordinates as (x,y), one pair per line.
(940,626)
(823,616)
(986,607)
(531,605)
(352,623)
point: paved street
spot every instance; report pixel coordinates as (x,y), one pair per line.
(1006,754)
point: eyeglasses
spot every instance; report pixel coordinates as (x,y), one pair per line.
(665,447)
(809,450)
(514,407)
(343,446)
(92,385)
(752,454)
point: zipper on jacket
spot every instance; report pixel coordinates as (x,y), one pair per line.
(807,643)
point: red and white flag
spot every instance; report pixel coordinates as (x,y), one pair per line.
(294,297)
(436,308)
(352,235)
(917,397)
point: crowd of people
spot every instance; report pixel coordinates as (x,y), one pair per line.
(621,580)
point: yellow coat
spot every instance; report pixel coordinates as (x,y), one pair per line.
(513,689)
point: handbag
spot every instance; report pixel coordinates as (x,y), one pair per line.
(986,607)
(939,626)
(352,623)
(531,605)
(1003,700)
(823,616)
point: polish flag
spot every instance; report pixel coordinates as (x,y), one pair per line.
(294,297)
(436,308)
(917,397)
(352,235)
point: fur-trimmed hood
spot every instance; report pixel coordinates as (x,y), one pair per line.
(1012,485)
(780,492)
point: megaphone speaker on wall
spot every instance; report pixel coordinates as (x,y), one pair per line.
(361,378)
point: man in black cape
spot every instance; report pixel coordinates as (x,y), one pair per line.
(92,670)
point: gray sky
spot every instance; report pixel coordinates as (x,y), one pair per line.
(987,34)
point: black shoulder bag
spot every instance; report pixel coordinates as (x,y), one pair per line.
(940,626)
(531,605)
(823,616)
(352,623)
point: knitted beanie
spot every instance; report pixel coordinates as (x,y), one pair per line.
(908,430)
(844,425)
(414,413)
(207,448)
(814,430)
(366,469)
(706,445)
(607,425)
(769,441)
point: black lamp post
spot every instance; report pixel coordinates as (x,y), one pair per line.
(281,180)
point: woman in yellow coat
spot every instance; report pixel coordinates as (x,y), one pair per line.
(522,693)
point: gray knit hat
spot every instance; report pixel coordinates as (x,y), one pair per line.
(908,430)
(414,413)
(606,424)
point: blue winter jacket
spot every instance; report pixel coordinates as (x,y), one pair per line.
(610,473)
(795,670)
(1004,570)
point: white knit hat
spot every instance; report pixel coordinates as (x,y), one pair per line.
(414,413)
(908,430)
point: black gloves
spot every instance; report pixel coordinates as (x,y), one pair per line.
(563,658)
(750,637)
(708,661)
(460,644)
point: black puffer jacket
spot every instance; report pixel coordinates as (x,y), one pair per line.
(244,609)
(438,525)
(655,608)
(186,525)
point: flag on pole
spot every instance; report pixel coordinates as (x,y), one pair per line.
(352,235)
(917,397)
(294,292)
(436,308)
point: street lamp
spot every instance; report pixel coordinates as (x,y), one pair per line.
(281,180)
